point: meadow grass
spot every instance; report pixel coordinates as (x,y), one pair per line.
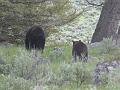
(9,53)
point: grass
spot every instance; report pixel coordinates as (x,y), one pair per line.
(8,54)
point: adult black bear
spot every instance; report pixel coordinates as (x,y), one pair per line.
(80,50)
(35,39)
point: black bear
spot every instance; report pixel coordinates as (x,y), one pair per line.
(35,38)
(80,50)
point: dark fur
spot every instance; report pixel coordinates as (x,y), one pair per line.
(35,38)
(80,50)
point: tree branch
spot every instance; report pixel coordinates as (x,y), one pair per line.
(72,18)
(93,4)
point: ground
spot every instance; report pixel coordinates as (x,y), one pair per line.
(60,73)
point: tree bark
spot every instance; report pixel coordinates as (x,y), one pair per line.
(119,30)
(108,21)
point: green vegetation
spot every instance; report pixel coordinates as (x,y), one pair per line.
(62,21)
(56,71)
(18,15)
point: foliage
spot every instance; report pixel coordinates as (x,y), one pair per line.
(113,80)
(5,69)
(58,74)
(81,28)
(14,83)
(108,46)
(56,53)
(27,66)
(17,16)
(75,73)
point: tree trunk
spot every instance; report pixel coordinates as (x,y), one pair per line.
(108,21)
(119,30)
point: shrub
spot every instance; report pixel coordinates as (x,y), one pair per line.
(56,53)
(14,83)
(107,46)
(1,60)
(74,73)
(27,66)
(5,69)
